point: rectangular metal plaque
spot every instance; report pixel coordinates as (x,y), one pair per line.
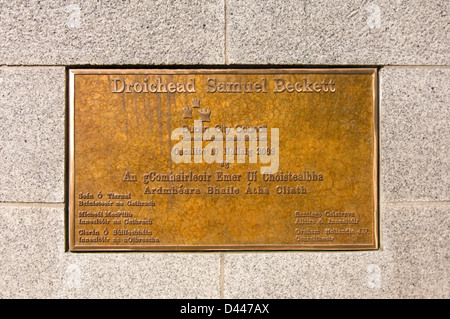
(242,159)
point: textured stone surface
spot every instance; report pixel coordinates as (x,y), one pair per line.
(415,134)
(32,104)
(412,263)
(344,32)
(112,32)
(418,238)
(34,264)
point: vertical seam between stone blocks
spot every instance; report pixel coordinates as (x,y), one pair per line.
(222,275)
(225,9)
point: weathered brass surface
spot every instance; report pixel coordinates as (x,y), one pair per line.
(129,191)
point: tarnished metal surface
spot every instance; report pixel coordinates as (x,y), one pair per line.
(304,176)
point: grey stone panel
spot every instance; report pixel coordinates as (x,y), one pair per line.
(343,32)
(411,263)
(415,134)
(111,32)
(32,107)
(418,237)
(34,264)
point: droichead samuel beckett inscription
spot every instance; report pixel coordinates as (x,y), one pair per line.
(244,159)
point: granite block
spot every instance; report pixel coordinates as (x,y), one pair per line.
(307,275)
(411,263)
(345,32)
(415,134)
(111,32)
(32,106)
(34,264)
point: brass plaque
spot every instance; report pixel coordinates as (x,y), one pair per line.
(242,159)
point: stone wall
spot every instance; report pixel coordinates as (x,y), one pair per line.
(408,40)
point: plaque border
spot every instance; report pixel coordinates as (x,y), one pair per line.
(244,247)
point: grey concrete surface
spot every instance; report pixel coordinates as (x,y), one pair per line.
(111,32)
(32,108)
(345,32)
